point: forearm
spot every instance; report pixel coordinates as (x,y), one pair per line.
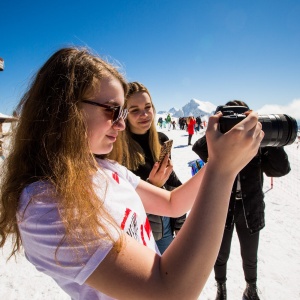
(175,203)
(182,198)
(198,242)
(181,272)
(172,204)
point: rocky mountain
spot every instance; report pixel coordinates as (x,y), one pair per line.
(193,108)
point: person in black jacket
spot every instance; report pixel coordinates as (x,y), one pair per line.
(246,211)
(141,144)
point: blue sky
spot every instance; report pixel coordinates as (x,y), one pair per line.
(209,50)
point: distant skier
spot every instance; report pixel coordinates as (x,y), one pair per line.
(168,121)
(199,124)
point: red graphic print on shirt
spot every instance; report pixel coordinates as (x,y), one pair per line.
(115,176)
(127,212)
(142,235)
(130,225)
(148,228)
(145,228)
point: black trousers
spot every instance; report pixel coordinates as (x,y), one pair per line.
(248,246)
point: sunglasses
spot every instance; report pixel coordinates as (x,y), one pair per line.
(118,112)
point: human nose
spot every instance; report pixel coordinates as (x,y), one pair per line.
(143,112)
(123,113)
(120,124)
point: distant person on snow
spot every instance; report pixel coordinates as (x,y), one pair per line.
(199,124)
(246,211)
(159,122)
(182,123)
(190,121)
(168,121)
(174,124)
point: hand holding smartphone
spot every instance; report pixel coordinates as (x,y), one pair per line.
(165,149)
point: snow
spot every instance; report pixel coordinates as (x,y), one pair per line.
(278,256)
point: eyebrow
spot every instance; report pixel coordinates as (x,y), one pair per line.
(110,102)
(136,106)
(113,103)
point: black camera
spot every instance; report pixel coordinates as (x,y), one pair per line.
(280,130)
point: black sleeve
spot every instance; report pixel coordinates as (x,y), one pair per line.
(162,137)
(176,223)
(200,148)
(172,182)
(170,185)
(274,161)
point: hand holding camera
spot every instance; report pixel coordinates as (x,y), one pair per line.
(280,130)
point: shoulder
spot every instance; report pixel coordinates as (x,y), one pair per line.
(110,168)
(162,137)
(42,192)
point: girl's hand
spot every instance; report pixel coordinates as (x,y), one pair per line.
(234,149)
(160,173)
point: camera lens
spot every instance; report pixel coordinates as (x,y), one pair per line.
(280,130)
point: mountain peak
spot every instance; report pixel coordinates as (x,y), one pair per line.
(194,107)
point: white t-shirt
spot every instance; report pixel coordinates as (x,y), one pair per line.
(41,229)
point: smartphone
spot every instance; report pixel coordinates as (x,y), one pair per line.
(165,149)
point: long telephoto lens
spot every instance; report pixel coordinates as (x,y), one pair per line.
(280,130)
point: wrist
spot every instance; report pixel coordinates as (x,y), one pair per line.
(147,180)
(217,171)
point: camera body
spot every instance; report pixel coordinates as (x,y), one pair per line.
(280,130)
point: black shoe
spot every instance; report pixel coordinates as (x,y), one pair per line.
(250,292)
(221,292)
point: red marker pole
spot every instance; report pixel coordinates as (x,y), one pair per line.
(271,182)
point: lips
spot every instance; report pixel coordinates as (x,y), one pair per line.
(112,138)
(145,122)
